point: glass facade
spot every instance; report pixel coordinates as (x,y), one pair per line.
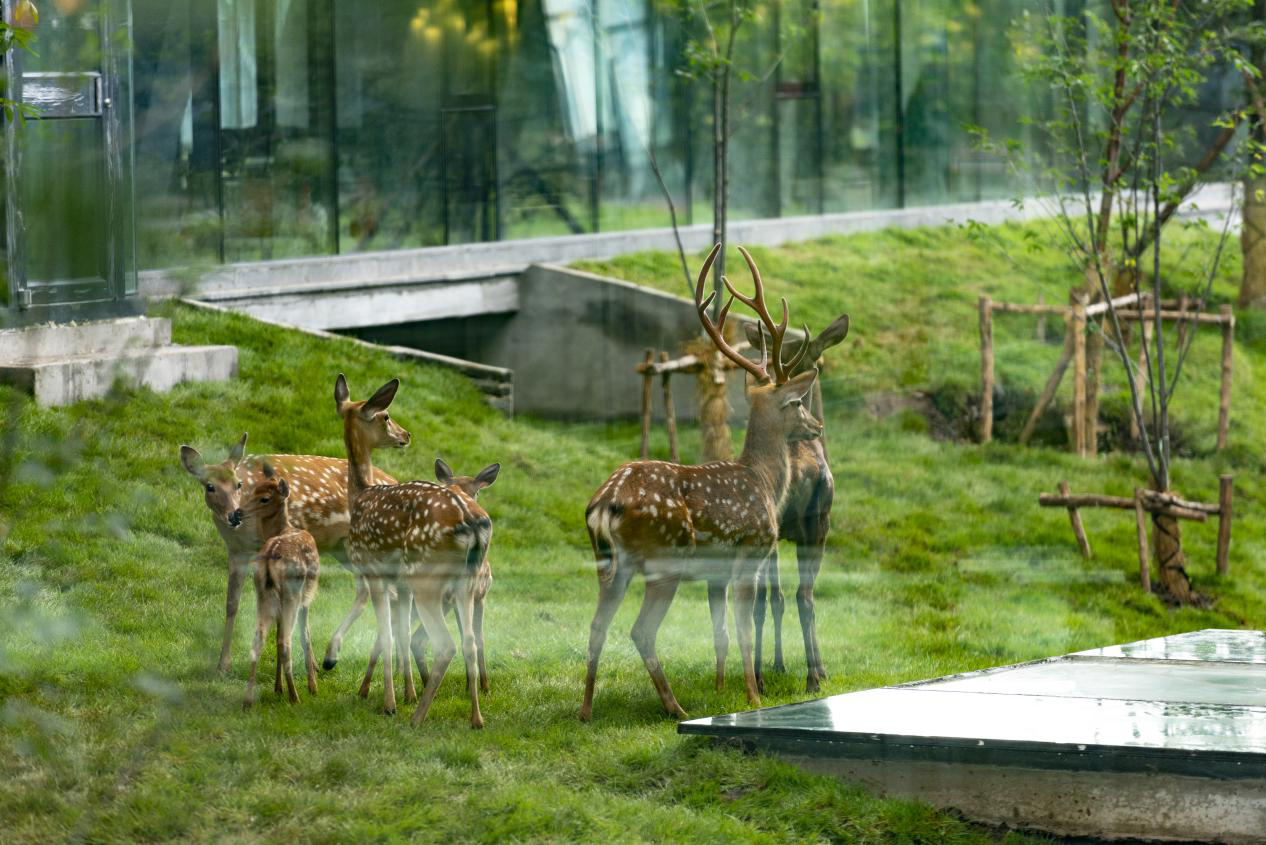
(282,128)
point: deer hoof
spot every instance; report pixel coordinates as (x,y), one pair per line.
(779,667)
(811,685)
(586,714)
(388,711)
(329,663)
(247,704)
(477,723)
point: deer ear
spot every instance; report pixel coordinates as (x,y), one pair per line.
(283,489)
(381,400)
(340,394)
(831,335)
(269,472)
(487,475)
(754,331)
(192,462)
(796,388)
(443,472)
(238,450)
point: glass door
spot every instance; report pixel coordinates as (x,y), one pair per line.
(70,234)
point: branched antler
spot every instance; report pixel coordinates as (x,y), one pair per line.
(776,332)
(716,330)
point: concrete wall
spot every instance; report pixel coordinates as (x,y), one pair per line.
(576,338)
(572,344)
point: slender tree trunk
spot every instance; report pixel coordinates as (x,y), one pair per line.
(1253,243)
(1172,581)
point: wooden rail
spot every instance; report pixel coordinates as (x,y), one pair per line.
(1077,316)
(1150,501)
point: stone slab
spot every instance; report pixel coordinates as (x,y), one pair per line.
(1161,739)
(98,337)
(69,379)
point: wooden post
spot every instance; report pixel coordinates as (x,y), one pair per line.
(1226,490)
(1140,519)
(647,378)
(1041,319)
(670,412)
(1224,393)
(986,370)
(1075,518)
(1078,327)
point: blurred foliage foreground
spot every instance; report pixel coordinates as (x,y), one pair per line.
(115,727)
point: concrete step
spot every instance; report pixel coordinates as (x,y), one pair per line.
(106,337)
(72,378)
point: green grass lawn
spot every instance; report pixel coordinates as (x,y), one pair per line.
(115,727)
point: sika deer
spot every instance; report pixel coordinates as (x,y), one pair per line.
(717,521)
(429,539)
(318,504)
(286,572)
(805,518)
(470,485)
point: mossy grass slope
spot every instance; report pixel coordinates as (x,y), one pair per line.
(115,727)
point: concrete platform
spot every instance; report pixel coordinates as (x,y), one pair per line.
(1162,739)
(61,364)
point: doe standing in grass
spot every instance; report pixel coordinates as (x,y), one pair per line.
(286,572)
(421,538)
(318,504)
(717,521)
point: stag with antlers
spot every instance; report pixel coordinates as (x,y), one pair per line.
(716,522)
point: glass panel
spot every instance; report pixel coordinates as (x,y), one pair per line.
(64,202)
(547,119)
(276,130)
(176,145)
(62,181)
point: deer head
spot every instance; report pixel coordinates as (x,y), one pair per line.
(774,395)
(816,346)
(467,484)
(263,508)
(220,487)
(367,422)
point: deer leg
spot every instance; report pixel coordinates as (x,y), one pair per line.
(336,640)
(418,644)
(809,562)
(777,604)
(277,639)
(239,565)
(477,624)
(309,661)
(610,595)
(432,611)
(403,615)
(659,595)
(286,628)
(720,637)
(263,612)
(382,610)
(758,616)
(465,608)
(374,653)
(744,605)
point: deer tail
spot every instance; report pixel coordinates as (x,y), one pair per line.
(601,519)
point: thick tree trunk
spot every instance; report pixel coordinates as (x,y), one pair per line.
(1172,581)
(1253,244)
(714,405)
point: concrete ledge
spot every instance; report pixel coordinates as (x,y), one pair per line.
(62,381)
(107,337)
(350,306)
(495,383)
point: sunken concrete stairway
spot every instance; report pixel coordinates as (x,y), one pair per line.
(60,364)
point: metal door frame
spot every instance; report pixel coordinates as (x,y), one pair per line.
(114,111)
